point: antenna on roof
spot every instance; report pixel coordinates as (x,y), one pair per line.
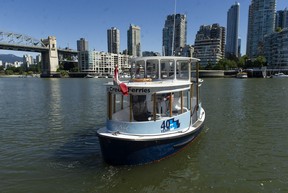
(173,29)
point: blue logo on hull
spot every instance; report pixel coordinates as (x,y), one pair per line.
(169,125)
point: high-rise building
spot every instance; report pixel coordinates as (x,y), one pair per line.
(113,37)
(38,59)
(276,49)
(231,48)
(261,22)
(28,60)
(82,45)
(239,47)
(134,40)
(174,35)
(281,19)
(209,44)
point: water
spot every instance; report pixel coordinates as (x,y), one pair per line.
(48,140)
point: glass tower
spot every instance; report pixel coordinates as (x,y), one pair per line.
(113,37)
(82,45)
(133,40)
(174,33)
(232,31)
(261,22)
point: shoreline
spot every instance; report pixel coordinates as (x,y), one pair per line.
(19,76)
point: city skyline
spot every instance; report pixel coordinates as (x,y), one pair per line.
(69,24)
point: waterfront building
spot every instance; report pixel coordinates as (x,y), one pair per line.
(15,64)
(186,51)
(38,59)
(113,37)
(134,40)
(82,45)
(101,63)
(261,22)
(27,60)
(209,44)
(150,53)
(276,49)
(281,19)
(174,34)
(231,48)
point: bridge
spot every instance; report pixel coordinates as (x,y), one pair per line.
(50,54)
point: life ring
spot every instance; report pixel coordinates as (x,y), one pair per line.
(141,80)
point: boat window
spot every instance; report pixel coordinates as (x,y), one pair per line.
(119,106)
(137,69)
(140,109)
(152,69)
(121,102)
(179,105)
(186,100)
(167,69)
(182,71)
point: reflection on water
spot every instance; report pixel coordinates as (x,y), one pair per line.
(49,143)
(53,94)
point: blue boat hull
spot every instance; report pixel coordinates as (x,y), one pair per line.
(117,151)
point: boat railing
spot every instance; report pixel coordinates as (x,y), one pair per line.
(153,107)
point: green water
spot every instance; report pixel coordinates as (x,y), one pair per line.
(48,140)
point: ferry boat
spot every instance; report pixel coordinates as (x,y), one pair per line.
(241,74)
(154,114)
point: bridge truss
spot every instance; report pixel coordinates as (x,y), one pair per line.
(20,40)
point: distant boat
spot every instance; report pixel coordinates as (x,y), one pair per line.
(91,76)
(125,76)
(154,114)
(242,75)
(279,75)
(103,76)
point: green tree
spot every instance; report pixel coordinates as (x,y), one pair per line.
(35,68)
(278,29)
(260,61)
(225,64)
(242,61)
(64,73)
(9,72)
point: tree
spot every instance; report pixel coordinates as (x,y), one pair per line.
(35,68)
(8,72)
(64,73)
(225,64)
(278,29)
(242,61)
(260,61)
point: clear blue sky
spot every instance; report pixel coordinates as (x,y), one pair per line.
(70,20)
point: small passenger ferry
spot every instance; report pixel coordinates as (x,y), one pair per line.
(154,114)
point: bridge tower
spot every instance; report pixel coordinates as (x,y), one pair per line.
(50,62)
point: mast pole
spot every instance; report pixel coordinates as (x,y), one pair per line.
(173,29)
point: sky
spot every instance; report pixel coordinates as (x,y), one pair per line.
(70,20)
